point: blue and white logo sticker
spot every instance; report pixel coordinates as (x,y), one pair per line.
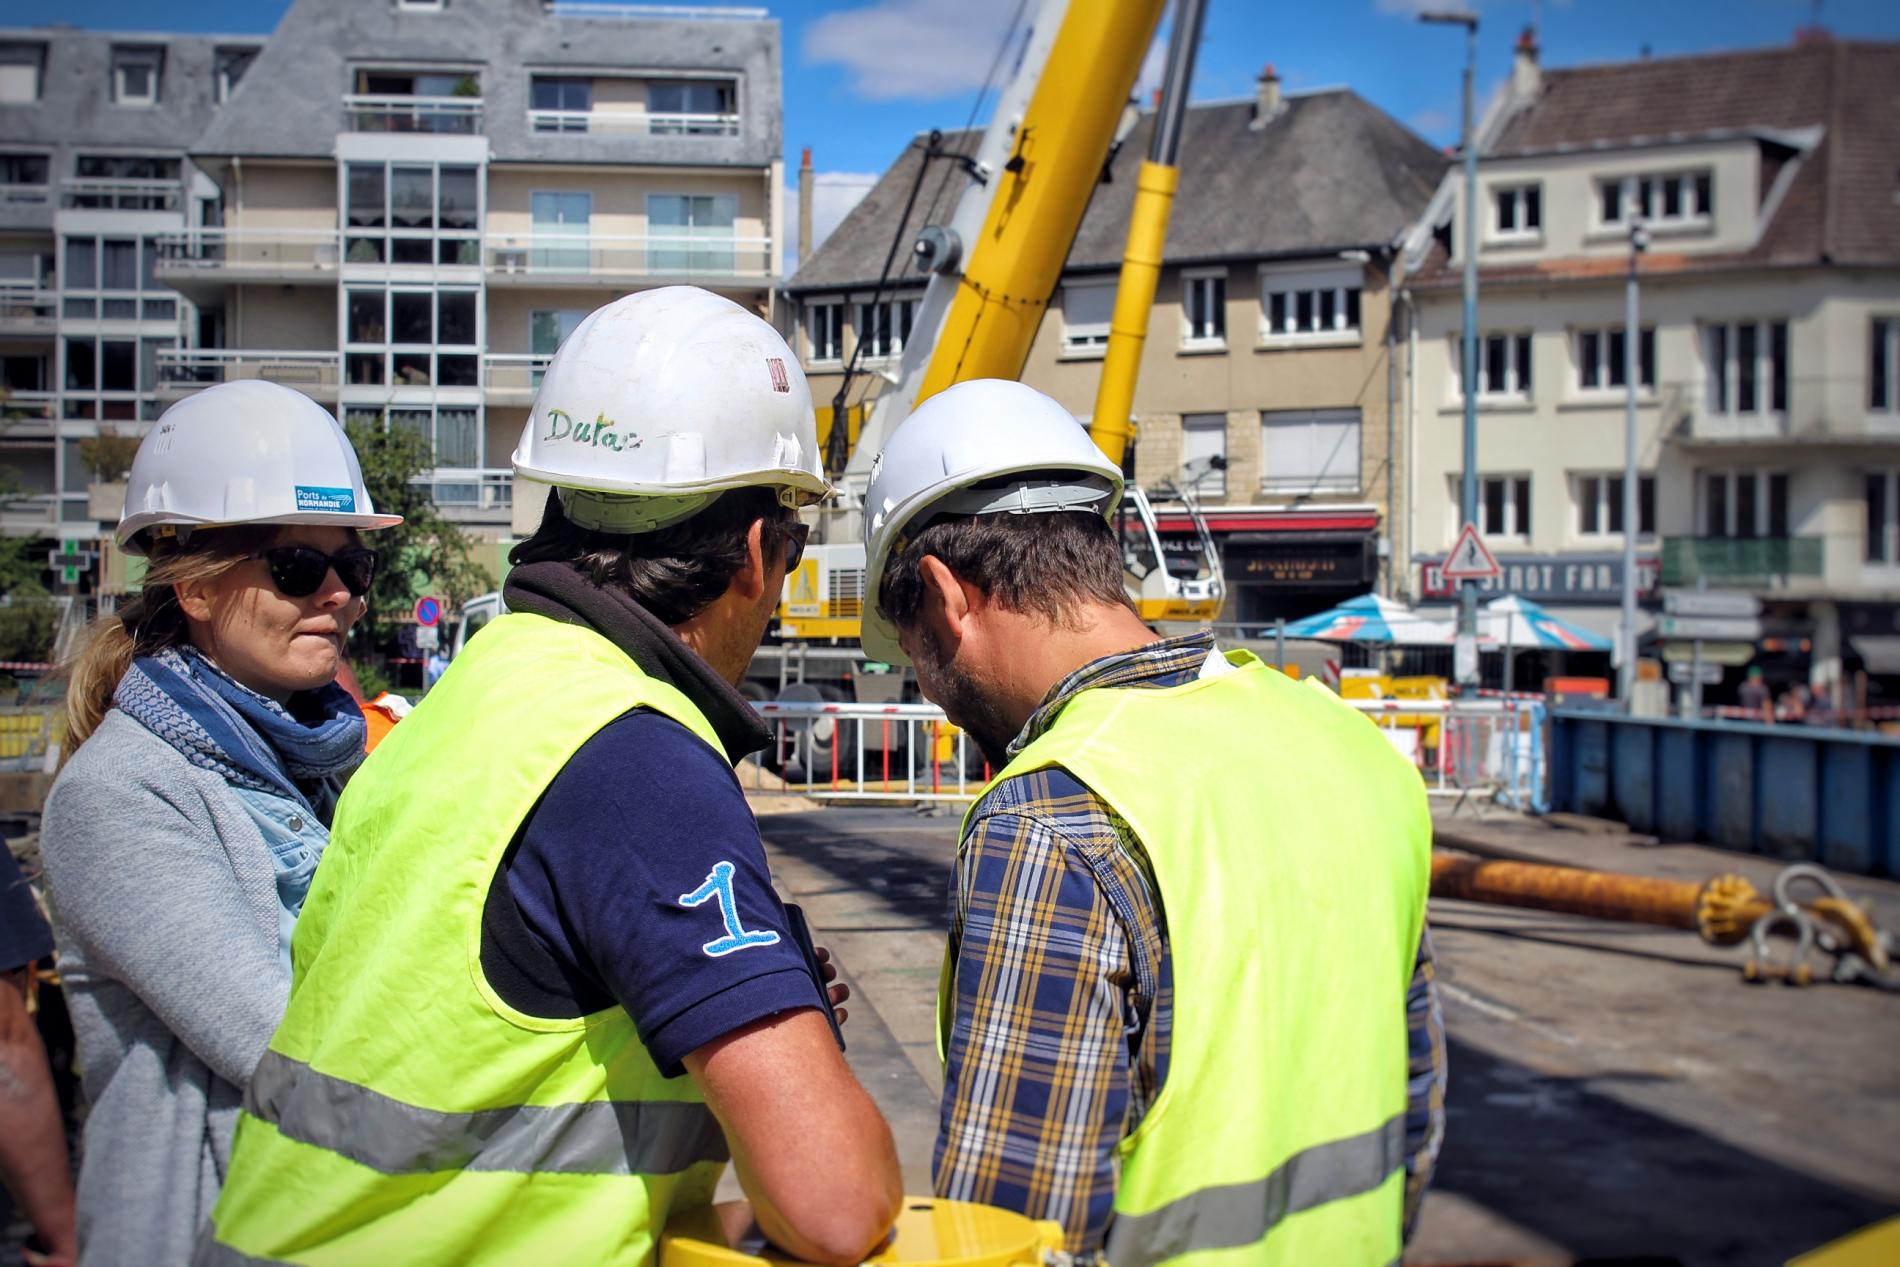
(718,888)
(341,501)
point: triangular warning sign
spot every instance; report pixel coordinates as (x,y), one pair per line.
(1469,560)
(804,586)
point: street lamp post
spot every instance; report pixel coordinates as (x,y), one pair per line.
(1632,366)
(1465,660)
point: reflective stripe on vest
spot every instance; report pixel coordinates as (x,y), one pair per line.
(596,1137)
(1243,1213)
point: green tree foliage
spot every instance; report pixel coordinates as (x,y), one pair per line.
(109,454)
(425,554)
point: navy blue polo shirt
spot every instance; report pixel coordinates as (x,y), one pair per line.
(639,880)
(24,936)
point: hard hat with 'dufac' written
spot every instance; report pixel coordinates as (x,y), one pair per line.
(249,452)
(988,446)
(659,402)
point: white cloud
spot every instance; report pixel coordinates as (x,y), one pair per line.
(1430,120)
(1412,8)
(916,50)
(833,194)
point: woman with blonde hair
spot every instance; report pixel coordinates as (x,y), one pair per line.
(208,743)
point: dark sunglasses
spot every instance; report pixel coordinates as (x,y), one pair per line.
(796,533)
(298,571)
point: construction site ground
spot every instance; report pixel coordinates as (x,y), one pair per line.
(1617,1093)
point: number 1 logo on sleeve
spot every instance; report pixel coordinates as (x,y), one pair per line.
(718,888)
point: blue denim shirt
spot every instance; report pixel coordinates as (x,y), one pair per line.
(296,838)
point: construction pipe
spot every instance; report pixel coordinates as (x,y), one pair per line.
(1721,910)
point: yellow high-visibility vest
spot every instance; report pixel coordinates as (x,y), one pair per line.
(406,1114)
(1291,845)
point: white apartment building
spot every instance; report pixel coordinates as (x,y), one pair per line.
(1768,424)
(94,175)
(404,205)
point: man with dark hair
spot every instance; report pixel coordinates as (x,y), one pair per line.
(543,987)
(1187,1002)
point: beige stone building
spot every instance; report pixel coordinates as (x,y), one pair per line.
(1268,346)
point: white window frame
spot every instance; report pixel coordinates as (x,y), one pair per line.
(124,59)
(33,58)
(1290,282)
(812,308)
(1087,339)
(1632,188)
(1214,482)
(222,84)
(1203,279)
(1722,383)
(1883,348)
(1515,196)
(422,6)
(1887,531)
(1730,528)
(1511,530)
(1592,490)
(1323,481)
(901,313)
(1608,366)
(1513,392)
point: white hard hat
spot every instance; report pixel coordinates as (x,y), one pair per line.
(664,399)
(979,432)
(249,452)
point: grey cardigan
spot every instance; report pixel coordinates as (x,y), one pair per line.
(164,903)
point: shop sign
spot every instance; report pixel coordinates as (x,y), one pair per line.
(1341,563)
(1549,577)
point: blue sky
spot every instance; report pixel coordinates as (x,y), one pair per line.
(863,76)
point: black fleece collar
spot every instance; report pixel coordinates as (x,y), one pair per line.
(560,592)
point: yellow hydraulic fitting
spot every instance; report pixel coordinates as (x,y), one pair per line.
(1726,908)
(930,1232)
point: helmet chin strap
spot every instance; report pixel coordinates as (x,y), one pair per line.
(626,513)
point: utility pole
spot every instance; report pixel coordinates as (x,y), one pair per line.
(1632,366)
(1465,659)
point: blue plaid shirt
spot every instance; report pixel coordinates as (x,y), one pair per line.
(1064,989)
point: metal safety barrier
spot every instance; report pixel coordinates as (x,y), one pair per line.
(30,738)
(1487,749)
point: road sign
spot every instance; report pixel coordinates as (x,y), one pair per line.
(1710,628)
(1718,603)
(428,612)
(1469,560)
(1680,670)
(428,637)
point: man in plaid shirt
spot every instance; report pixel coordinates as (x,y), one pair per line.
(1009,603)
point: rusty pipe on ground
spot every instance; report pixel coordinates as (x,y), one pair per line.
(1720,910)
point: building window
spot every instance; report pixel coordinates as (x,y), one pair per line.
(1504,365)
(1883,516)
(1086,309)
(24,177)
(1745,504)
(422,6)
(822,331)
(452,432)
(135,75)
(1204,310)
(1308,451)
(1310,303)
(411,213)
(1600,505)
(691,107)
(559,104)
(112,378)
(883,328)
(1883,360)
(411,338)
(1747,367)
(691,233)
(1672,198)
(1519,211)
(1204,454)
(20,66)
(228,68)
(1504,505)
(1600,356)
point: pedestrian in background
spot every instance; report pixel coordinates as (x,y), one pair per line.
(209,741)
(1756,700)
(32,1135)
(1187,1003)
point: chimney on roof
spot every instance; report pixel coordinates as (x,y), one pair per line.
(1805,36)
(1268,104)
(804,206)
(1527,78)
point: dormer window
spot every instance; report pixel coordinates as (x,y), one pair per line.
(229,69)
(20,66)
(1519,211)
(135,76)
(1660,198)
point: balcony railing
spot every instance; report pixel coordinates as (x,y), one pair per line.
(17,407)
(470,489)
(188,369)
(459,116)
(120,195)
(511,373)
(626,123)
(26,309)
(24,195)
(269,251)
(1761,561)
(581,257)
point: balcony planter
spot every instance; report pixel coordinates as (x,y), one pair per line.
(105,502)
